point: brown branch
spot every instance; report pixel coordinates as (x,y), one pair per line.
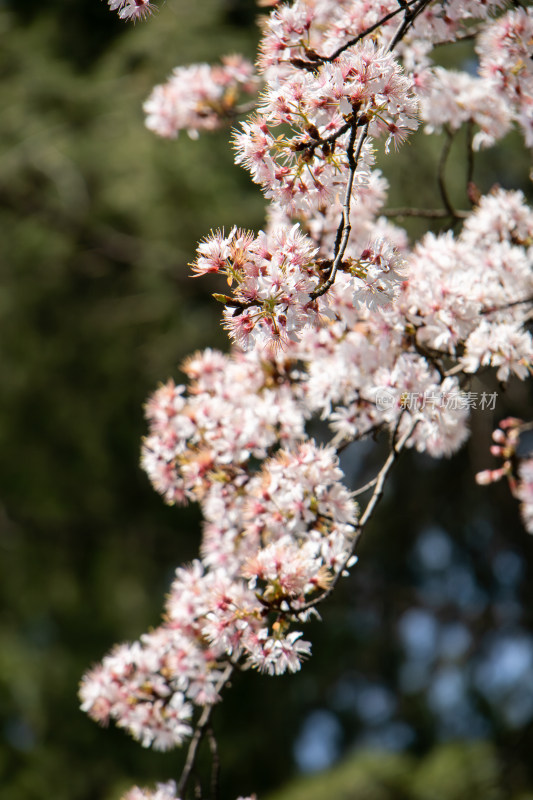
(199,733)
(411,13)
(466,38)
(345,227)
(505,306)
(379,484)
(340,443)
(377,494)
(440,174)
(309,146)
(423,213)
(411,10)
(472,192)
(215,764)
(366,32)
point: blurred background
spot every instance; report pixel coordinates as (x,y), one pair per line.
(421,682)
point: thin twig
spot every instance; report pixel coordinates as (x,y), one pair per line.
(311,146)
(339,442)
(365,488)
(198,735)
(505,306)
(345,226)
(471,189)
(215,764)
(364,33)
(377,494)
(425,213)
(410,10)
(429,354)
(411,13)
(454,370)
(334,136)
(466,38)
(440,174)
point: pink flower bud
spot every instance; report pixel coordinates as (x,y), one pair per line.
(489,476)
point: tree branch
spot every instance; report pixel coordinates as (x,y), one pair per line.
(366,32)
(412,11)
(423,213)
(440,174)
(343,231)
(379,484)
(199,733)
(215,764)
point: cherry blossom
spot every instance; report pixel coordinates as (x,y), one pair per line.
(132,9)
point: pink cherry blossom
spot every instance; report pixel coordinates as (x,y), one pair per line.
(132,9)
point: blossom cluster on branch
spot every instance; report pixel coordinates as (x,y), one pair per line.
(517,469)
(334,315)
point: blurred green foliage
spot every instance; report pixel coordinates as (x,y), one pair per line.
(99,219)
(457,771)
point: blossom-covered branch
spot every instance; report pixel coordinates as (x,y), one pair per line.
(334,315)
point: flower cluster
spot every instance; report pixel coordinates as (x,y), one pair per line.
(237,409)
(518,469)
(451,98)
(276,276)
(129,686)
(199,97)
(292,535)
(504,50)
(460,285)
(299,146)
